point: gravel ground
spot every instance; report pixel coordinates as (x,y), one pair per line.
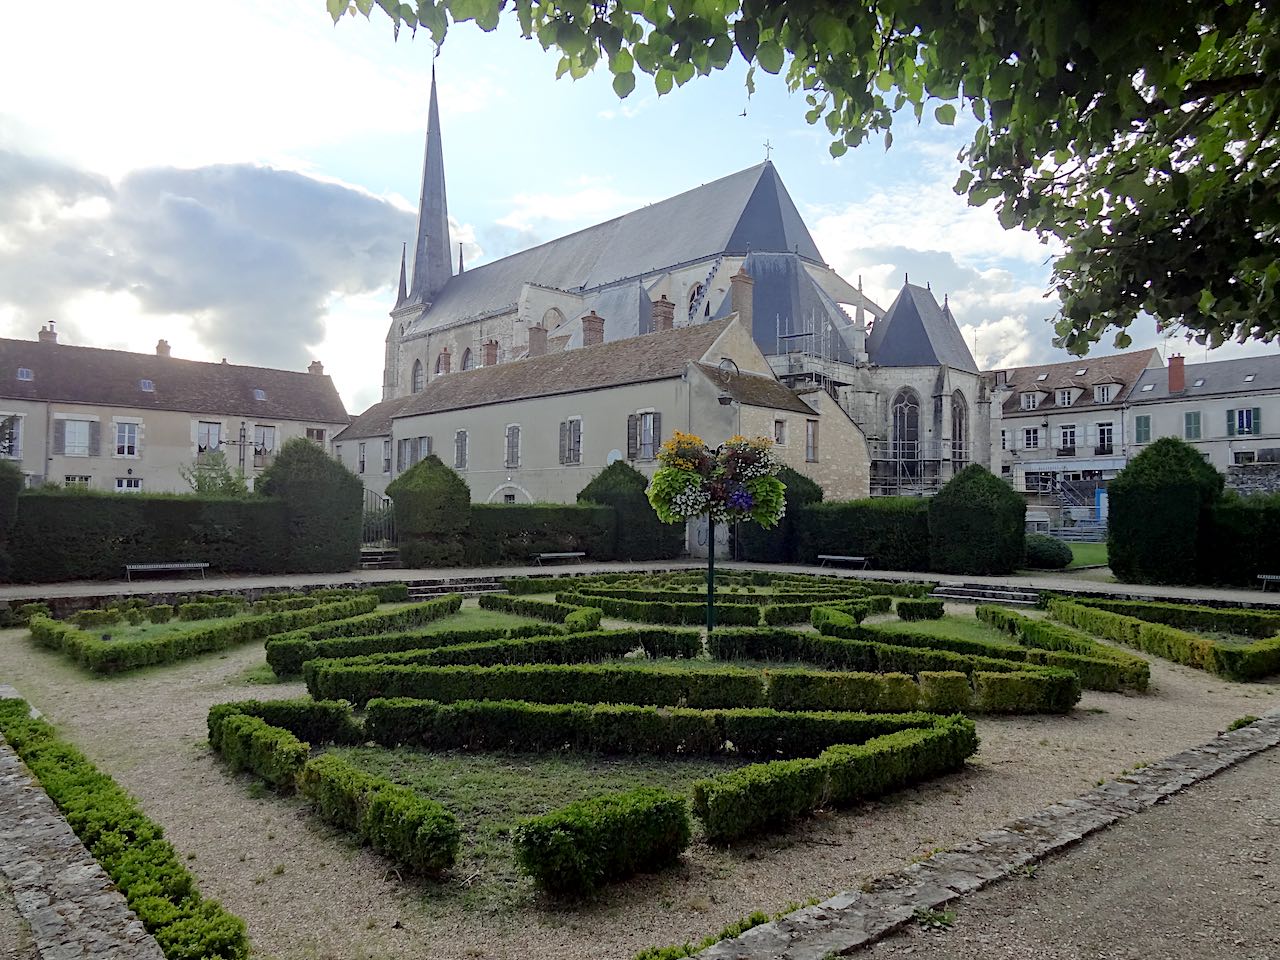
(306,892)
(1197,878)
(15,935)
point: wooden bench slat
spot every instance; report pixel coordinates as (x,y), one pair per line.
(131,568)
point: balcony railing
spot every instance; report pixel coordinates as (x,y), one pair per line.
(1066,451)
(1103,450)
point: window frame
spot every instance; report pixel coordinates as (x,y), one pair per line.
(1186,424)
(76,481)
(780,432)
(1030,434)
(208,434)
(128,485)
(386,455)
(646,422)
(1029,400)
(461,451)
(16,433)
(122,449)
(1142,428)
(811,441)
(1062,436)
(66,437)
(509,461)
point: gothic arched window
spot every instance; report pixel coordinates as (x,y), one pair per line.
(906,425)
(467,363)
(418,378)
(959,429)
(442,361)
(694,294)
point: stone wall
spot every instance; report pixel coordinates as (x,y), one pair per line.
(1254,478)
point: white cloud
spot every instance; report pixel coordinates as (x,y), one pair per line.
(591,201)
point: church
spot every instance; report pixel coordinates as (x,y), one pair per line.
(903,377)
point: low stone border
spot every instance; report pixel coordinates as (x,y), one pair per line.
(66,897)
(851,920)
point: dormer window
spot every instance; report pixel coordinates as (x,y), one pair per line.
(259,394)
(1030,401)
(1102,392)
(1065,398)
(25,373)
(147,386)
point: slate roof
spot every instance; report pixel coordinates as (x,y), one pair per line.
(915,332)
(91,375)
(756,390)
(374,422)
(746,211)
(1221,378)
(656,356)
(1121,368)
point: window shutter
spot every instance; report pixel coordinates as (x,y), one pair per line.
(575,440)
(399,456)
(1257,420)
(633,436)
(95,438)
(815,441)
(138,441)
(428,440)
(60,437)
(564,441)
(1231,423)
(657,433)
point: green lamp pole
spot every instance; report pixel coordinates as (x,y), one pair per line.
(711,576)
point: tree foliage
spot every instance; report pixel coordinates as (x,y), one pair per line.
(1140,138)
(212,476)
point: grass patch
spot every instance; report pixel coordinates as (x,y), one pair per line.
(147,631)
(1087,554)
(489,793)
(956,627)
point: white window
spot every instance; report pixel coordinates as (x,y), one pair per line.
(1031,438)
(76,438)
(1102,392)
(315,434)
(648,438)
(128,484)
(147,386)
(11,437)
(1105,438)
(25,374)
(811,441)
(513,446)
(386,456)
(77,481)
(1030,401)
(259,394)
(208,437)
(264,443)
(1067,436)
(126,439)
(460,450)
(360,458)
(1064,398)
(780,432)
(571,440)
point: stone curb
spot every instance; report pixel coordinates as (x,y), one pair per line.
(73,908)
(854,919)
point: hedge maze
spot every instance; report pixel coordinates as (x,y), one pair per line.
(818,699)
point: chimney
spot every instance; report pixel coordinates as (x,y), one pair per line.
(490,353)
(442,361)
(162,349)
(1177,374)
(664,314)
(741,295)
(315,367)
(592,329)
(537,341)
(48,334)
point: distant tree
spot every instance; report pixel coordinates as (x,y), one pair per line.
(212,476)
(1143,137)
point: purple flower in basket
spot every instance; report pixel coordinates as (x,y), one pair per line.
(741,500)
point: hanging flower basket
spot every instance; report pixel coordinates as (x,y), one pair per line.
(738,481)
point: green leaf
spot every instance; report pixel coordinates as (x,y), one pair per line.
(945,114)
(838,149)
(962,184)
(746,34)
(884,81)
(684,73)
(663,81)
(770,56)
(622,62)
(623,84)
(336,8)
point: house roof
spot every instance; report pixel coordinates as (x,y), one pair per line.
(655,356)
(89,375)
(746,211)
(756,390)
(374,422)
(1221,378)
(916,332)
(1123,369)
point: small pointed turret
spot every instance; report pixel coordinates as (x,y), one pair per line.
(403,295)
(460,257)
(431,267)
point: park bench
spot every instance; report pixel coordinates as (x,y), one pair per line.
(826,558)
(569,555)
(131,568)
(1268,579)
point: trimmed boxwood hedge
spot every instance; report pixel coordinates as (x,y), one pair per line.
(323,507)
(922,609)
(782,614)
(1243,662)
(130,847)
(113,656)
(574,617)
(892,531)
(779,544)
(638,533)
(1047,553)
(315,721)
(977,525)
(660,612)
(511,533)
(272,753)
(1099,666)
(1260,624)
(412,830)
(576,849)
(766,796)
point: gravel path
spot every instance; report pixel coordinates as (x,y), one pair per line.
(1197,878)
(15,935)
(308,893)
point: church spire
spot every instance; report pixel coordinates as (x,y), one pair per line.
(459,257)
(404,289)
(431,267)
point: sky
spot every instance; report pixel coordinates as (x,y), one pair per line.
(239,178)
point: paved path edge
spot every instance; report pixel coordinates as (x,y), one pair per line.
(70,903)
(854,919)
